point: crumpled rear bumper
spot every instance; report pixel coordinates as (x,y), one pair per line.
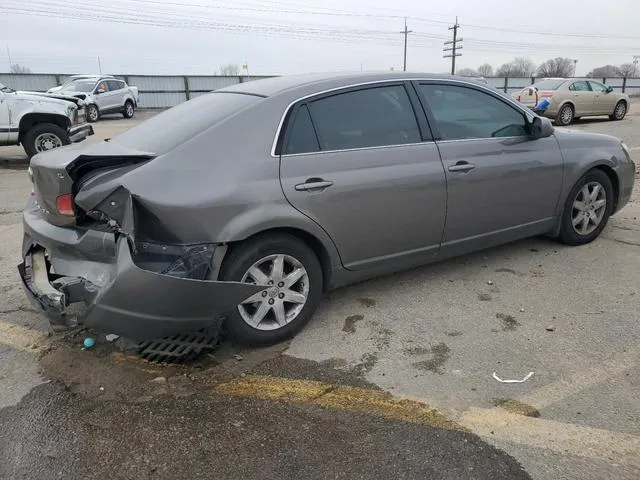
(89,279)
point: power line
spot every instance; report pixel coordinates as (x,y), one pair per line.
(453,48)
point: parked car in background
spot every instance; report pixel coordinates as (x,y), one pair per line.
(103,95)
(70,79)
(40,122)
(251,201)
(570,99)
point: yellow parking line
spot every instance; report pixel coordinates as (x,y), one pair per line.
(23,338)
(493,424)
(339,397)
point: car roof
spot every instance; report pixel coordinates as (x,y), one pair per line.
(323,81)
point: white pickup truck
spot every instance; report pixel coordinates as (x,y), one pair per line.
(41,122)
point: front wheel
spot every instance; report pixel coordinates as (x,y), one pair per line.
(620,111)
(93,114)
(292,275)
(587,208)
(129,110)
(42,137)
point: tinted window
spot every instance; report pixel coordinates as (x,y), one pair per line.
(598,87)
(371,117)
(301,137)
(115,85)
(463,113)
(580,87)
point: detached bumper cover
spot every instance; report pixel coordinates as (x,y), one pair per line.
(80,132)
(111,293)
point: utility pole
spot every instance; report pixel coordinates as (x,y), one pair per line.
(453,47)
(406,33)
(635,64)
(575,63)
(11,63)
(99,66)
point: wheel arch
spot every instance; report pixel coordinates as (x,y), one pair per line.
(30,119)
(317,246)
(615,182)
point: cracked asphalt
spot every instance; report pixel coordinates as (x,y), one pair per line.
(392,379)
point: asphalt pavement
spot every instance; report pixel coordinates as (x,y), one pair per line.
(392,379)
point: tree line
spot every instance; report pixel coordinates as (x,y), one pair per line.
(554,67)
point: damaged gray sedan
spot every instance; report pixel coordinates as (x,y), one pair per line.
(248,203)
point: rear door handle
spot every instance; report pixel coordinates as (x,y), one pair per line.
(462,167)
(313,184)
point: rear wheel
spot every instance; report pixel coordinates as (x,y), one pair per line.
(129,109)
(293,276)
(93,114)
(42,137)
(565,115)
(620,111)
(587,209)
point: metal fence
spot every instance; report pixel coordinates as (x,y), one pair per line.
(158,91)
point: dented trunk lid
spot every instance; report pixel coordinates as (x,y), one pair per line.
(62,171)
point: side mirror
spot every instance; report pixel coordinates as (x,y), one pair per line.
(609,89)
(541,127)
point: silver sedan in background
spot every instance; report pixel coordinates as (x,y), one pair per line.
(251,201)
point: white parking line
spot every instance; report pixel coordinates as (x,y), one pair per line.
(587,442)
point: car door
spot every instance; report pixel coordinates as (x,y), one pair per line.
(116,94)
(582,97)
(502,184)
(603,101)
(363,166)
(101,96)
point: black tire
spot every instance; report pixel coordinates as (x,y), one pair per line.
(568,234)
(32,137)
(93,113)
(240,259)
(565,115)
(619,111)
(129,109)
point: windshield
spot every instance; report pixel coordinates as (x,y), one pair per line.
(79,86)
(548,84)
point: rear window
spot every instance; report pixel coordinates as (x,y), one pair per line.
(548,84)
(173,127)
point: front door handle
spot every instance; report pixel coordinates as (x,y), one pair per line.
(462,167)
(312,185)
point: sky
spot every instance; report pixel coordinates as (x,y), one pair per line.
(197,37)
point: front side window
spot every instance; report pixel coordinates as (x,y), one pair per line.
(465,113)
(371,117)
(598,87)
(580,87)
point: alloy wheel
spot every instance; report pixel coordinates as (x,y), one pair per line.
(287,293)
(589,208)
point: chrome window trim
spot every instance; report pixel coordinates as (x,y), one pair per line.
(389,80)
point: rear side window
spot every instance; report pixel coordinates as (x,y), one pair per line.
(580,87)
(115,85)
(301,136)
(465,113)
(371,117)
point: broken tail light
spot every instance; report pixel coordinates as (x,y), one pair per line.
(64,205)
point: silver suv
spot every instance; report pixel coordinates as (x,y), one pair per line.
(103,95)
